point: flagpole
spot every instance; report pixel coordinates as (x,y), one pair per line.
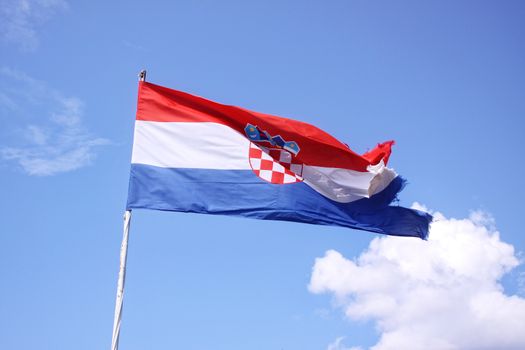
(121,281)
(122,271)
(142,75)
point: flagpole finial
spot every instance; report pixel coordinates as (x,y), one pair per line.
(142,75)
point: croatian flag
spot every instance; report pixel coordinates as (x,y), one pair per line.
(195,155)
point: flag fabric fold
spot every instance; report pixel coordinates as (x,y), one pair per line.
(191,154)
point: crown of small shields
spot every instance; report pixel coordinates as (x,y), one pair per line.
(257,135)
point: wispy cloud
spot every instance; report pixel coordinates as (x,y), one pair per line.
(20,19)
(338,345)
(133,46)
(57,143)
(444,293)
(521,283)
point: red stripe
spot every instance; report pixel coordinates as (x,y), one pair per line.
(157,103)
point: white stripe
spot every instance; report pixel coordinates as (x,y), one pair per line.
(189,145)
(344,185)
(217,146)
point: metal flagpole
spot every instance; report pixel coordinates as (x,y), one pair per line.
(121,280)
(122,270)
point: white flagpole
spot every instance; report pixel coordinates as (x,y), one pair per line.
(122,271)
(121,280)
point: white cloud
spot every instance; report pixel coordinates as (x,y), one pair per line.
(58,143)
(338,345)
(443,293)
(19,20)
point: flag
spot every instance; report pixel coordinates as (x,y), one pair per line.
(194,155)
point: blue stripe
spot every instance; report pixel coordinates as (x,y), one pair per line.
(242,193)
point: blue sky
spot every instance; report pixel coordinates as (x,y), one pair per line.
(445,79)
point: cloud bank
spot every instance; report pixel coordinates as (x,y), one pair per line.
(443,293)
(57,143)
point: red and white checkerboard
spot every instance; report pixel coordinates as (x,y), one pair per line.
(274,165)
